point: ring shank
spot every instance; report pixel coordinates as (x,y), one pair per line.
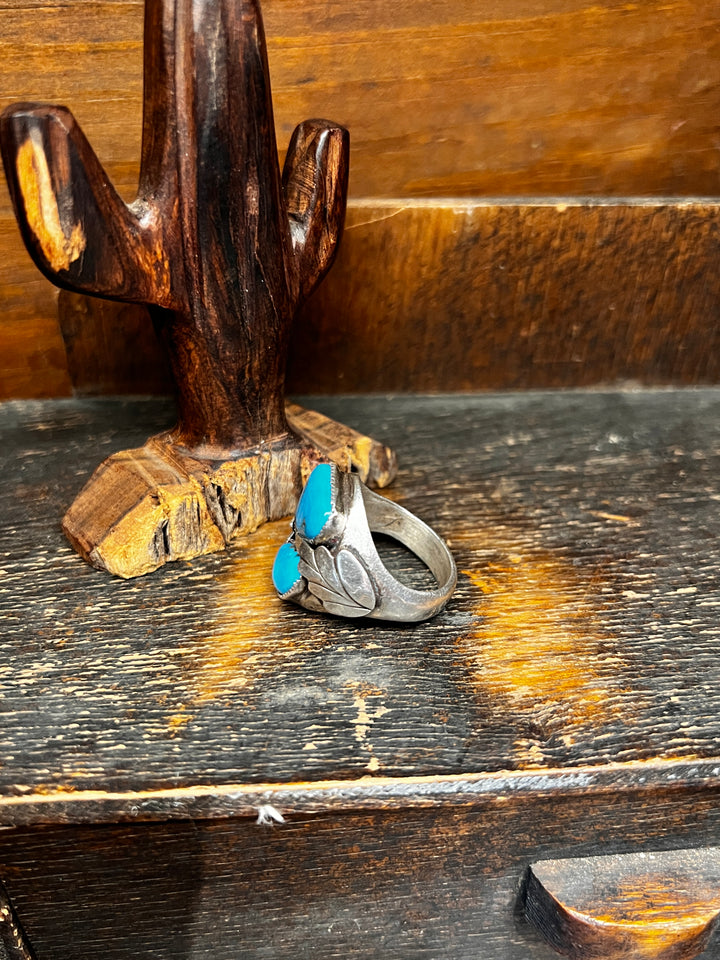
(389,518)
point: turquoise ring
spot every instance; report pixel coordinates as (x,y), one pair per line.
(330,563)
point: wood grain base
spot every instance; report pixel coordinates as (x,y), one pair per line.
(145,507)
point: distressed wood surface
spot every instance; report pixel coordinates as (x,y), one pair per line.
(644,906)
(578,654)
(474,295)
(415,884)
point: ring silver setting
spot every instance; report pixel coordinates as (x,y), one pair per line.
(330,563)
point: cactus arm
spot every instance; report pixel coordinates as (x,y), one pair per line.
(315,178)
(78,230)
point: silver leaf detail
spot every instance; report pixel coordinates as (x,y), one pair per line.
(340,583)
(326,566)
(354,578)
(307,554)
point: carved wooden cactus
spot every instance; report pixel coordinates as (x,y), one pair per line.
(219,244)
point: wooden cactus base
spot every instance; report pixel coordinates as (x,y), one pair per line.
(144,507)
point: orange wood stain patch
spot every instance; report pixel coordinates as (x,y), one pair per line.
(247,645)
(538,647)
(681,930)
(666,943)
(660,899)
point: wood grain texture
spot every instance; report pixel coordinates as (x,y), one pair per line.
(145,507)
(531,97)
(493,295)
(88,54)
(474,296)
(545,97)
(581,639)
(645,906)
(34,355)
(407,883)
(111,348)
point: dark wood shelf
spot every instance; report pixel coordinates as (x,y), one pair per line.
(565,704)
(581,642)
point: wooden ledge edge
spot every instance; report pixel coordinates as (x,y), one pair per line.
(661,905)
(207,801)
(561,202)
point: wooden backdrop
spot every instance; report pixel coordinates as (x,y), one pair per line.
(444,280)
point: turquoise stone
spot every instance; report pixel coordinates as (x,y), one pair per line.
(316,502)
(285,572)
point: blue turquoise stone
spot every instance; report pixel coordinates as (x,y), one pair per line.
(316,502)
(285,572)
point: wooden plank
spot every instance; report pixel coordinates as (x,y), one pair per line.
(535,97)
(406,883)
(546,97)
(582,635)
(515,295)
(111,348)
(624,782)
(87,56)
(475,295)
(33,358)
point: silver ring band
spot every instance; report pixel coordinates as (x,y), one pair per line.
(330,563)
